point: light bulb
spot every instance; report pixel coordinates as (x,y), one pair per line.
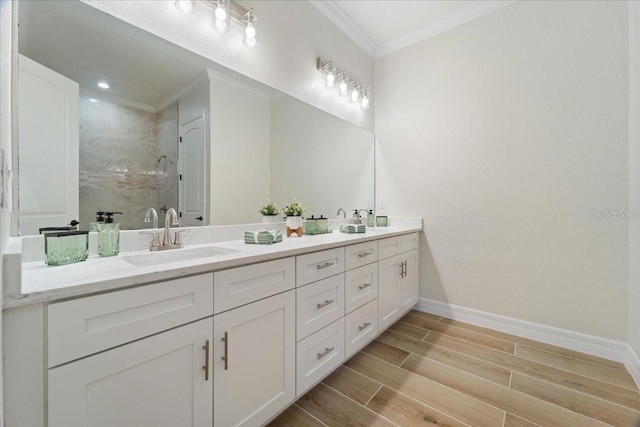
(355,94)
(343,85)
(103,85)
(364,102)
(220,25)
(250,31)
(186,6)
(220,13)
(331,77)
(221,18)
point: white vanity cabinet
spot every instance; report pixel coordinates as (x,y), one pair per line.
(398,278)
(254,346)
(107,368)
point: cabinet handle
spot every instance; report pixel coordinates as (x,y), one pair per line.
(364,254)
(325,265)
(206,360)
(325,352)
(364,285)
(324,304)
(404,268)
(225,339)
(401,265)
(364,326)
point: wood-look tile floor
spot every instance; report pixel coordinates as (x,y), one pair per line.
(432,371)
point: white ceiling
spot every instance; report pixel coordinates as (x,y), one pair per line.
(381,27)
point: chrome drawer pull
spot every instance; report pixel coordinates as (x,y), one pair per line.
(364,285)
(365,326)
(364,254)
(205,347)
(325,303)
(325,265)
(325,352)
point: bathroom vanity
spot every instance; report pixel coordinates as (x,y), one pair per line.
(226,337)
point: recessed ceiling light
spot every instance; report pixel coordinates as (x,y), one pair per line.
(93,100)
(103,85)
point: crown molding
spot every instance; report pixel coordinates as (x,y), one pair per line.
(483,8)
(332,11)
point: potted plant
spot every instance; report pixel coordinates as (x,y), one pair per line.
(269,212)
(293,211)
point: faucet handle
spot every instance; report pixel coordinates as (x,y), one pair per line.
(177,240)
(155,242)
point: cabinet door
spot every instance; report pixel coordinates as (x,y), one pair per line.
(254,363)
(389,277)
(157,381)
(410,283)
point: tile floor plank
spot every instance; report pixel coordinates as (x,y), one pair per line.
(537,344)
(352,384)
(461,333)
(407,412)
(612,393)
(513,421)
(334,409)
(295,416)
(386,352)
(509,400)
(442,398)
(409,330)
(602,373)
(581,403)
(425,315)
(474,366)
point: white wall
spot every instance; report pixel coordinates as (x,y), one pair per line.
(240,129)
(292,33)
(634,174)
(503,134)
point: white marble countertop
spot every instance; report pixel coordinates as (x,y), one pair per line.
(40,282)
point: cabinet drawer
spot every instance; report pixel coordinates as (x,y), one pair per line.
(361,326)
(361,286)
(397,245)
(319,354)
(361,254)
(319,304)
(242,285)
(83,326)
(319,265)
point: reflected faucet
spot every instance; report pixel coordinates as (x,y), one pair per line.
(171,218)
(359,220)
(151,213)
(344,213)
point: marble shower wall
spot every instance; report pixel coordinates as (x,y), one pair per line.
(168,166)
(119,168)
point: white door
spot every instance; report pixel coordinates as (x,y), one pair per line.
(254,363)
(155,382)
(47,147)
(411,282)
(192,188)
(389,276)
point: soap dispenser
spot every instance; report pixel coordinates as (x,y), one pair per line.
(109,235)
(95,225)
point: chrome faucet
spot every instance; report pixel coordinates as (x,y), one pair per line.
(171,218)
(344,214)
(151,213)
(358,220)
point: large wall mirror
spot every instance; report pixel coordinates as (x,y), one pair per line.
(173,129)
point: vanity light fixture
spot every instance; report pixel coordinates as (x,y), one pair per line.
(222,16)
(346,85)
(103,85)
(250,34)
(186,6)
(223,12)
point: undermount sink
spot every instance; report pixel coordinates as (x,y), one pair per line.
(176,255)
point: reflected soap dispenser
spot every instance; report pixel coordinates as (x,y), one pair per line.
(109,235)
(371,219)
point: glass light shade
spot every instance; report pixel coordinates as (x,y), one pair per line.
(343,84)
(186,6)
(355,93)
(250,33)
(222,16)
(364,102)
(331,76)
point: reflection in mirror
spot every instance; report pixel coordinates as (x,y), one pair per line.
(119,149)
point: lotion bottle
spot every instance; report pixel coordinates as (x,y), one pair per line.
(108,235)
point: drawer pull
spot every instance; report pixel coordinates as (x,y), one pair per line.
(364,285)
(364,254)
(364,326)
(324,304)
(325,352)
(401,265)
(225,339)
(205,347)
(325,265)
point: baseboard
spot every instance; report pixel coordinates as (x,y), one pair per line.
(608,349)
(633,365)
